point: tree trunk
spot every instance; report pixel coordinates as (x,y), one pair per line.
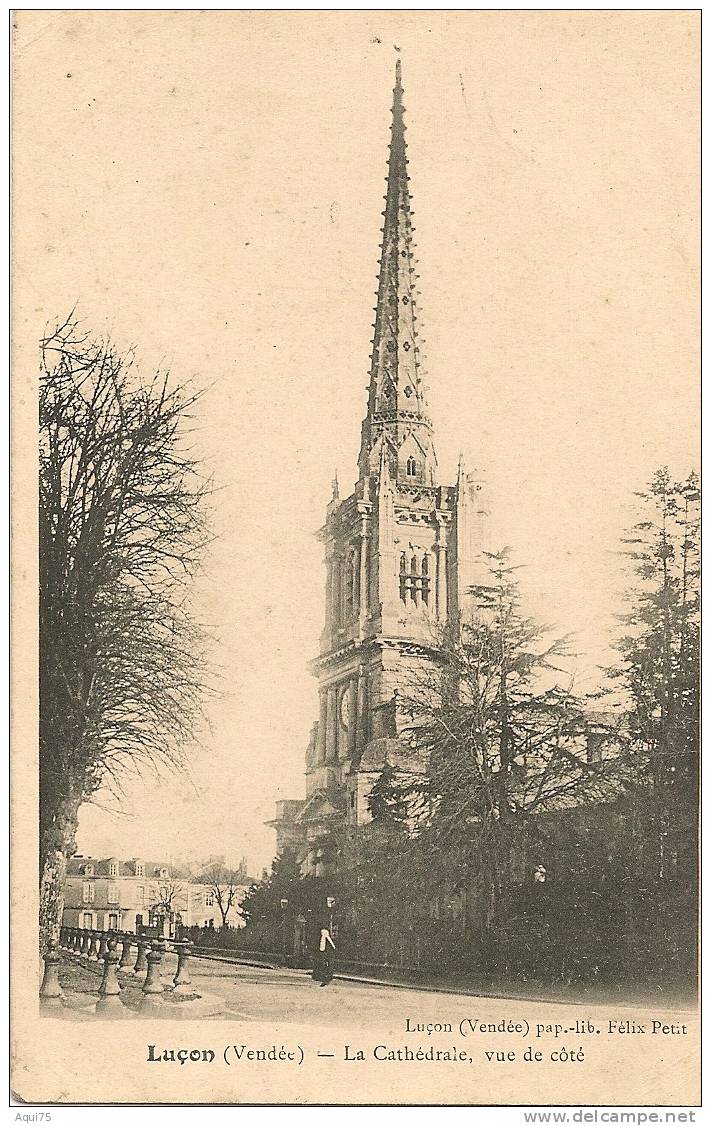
(57,843)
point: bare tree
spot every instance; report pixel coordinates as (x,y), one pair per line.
(163,899)
(224,883)
(122,526)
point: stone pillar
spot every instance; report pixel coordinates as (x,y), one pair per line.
(329,589)
(321,745)
(103,945)
(331,704)
(109,1003)
(388,594)
(141,961)
(94,946)
(181,981)
(362,708)
(353,717)
(50,990)
(441,574)
(364,579)
(336,601)
(153,986)
(124,966)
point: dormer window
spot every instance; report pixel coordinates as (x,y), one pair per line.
(139,867)
(411,467)
(88,869)
(163,873)
(113,868)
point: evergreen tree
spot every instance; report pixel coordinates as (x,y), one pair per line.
(660,654)
(501,741)
(263,900)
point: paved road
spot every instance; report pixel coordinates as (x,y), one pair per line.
(287,996)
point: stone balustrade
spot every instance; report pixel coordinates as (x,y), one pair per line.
(99,948)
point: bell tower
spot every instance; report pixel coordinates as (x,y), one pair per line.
(401,551)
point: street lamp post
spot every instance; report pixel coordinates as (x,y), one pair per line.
(330,903)
(284,942)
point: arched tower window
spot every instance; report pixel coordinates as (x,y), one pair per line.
(415,578)
(414,592)
(411,467)
(425,580)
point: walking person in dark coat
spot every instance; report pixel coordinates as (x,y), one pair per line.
(323,962)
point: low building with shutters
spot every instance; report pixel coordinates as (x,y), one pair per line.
(125,895)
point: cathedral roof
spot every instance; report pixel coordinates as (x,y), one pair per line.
(396,421)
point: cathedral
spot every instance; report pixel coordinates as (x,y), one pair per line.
(401,552)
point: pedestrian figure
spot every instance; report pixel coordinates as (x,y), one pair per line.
(323,968)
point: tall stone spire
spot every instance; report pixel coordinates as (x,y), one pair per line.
(397,413)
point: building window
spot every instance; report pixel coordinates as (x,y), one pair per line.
(113,868)
(113,893)
(411,467)
(414,592)
(88,893)
(415,580)
(113,922)
(88,921)
(209,899)
(141,894)
(139,868)
(163,874)
(425,583)
(88,869)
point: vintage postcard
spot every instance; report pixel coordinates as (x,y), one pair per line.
(355,737)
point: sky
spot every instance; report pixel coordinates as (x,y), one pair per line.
(207,186)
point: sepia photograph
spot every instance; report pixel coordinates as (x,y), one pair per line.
(355,566)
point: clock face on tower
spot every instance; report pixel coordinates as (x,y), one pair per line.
(346,708)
